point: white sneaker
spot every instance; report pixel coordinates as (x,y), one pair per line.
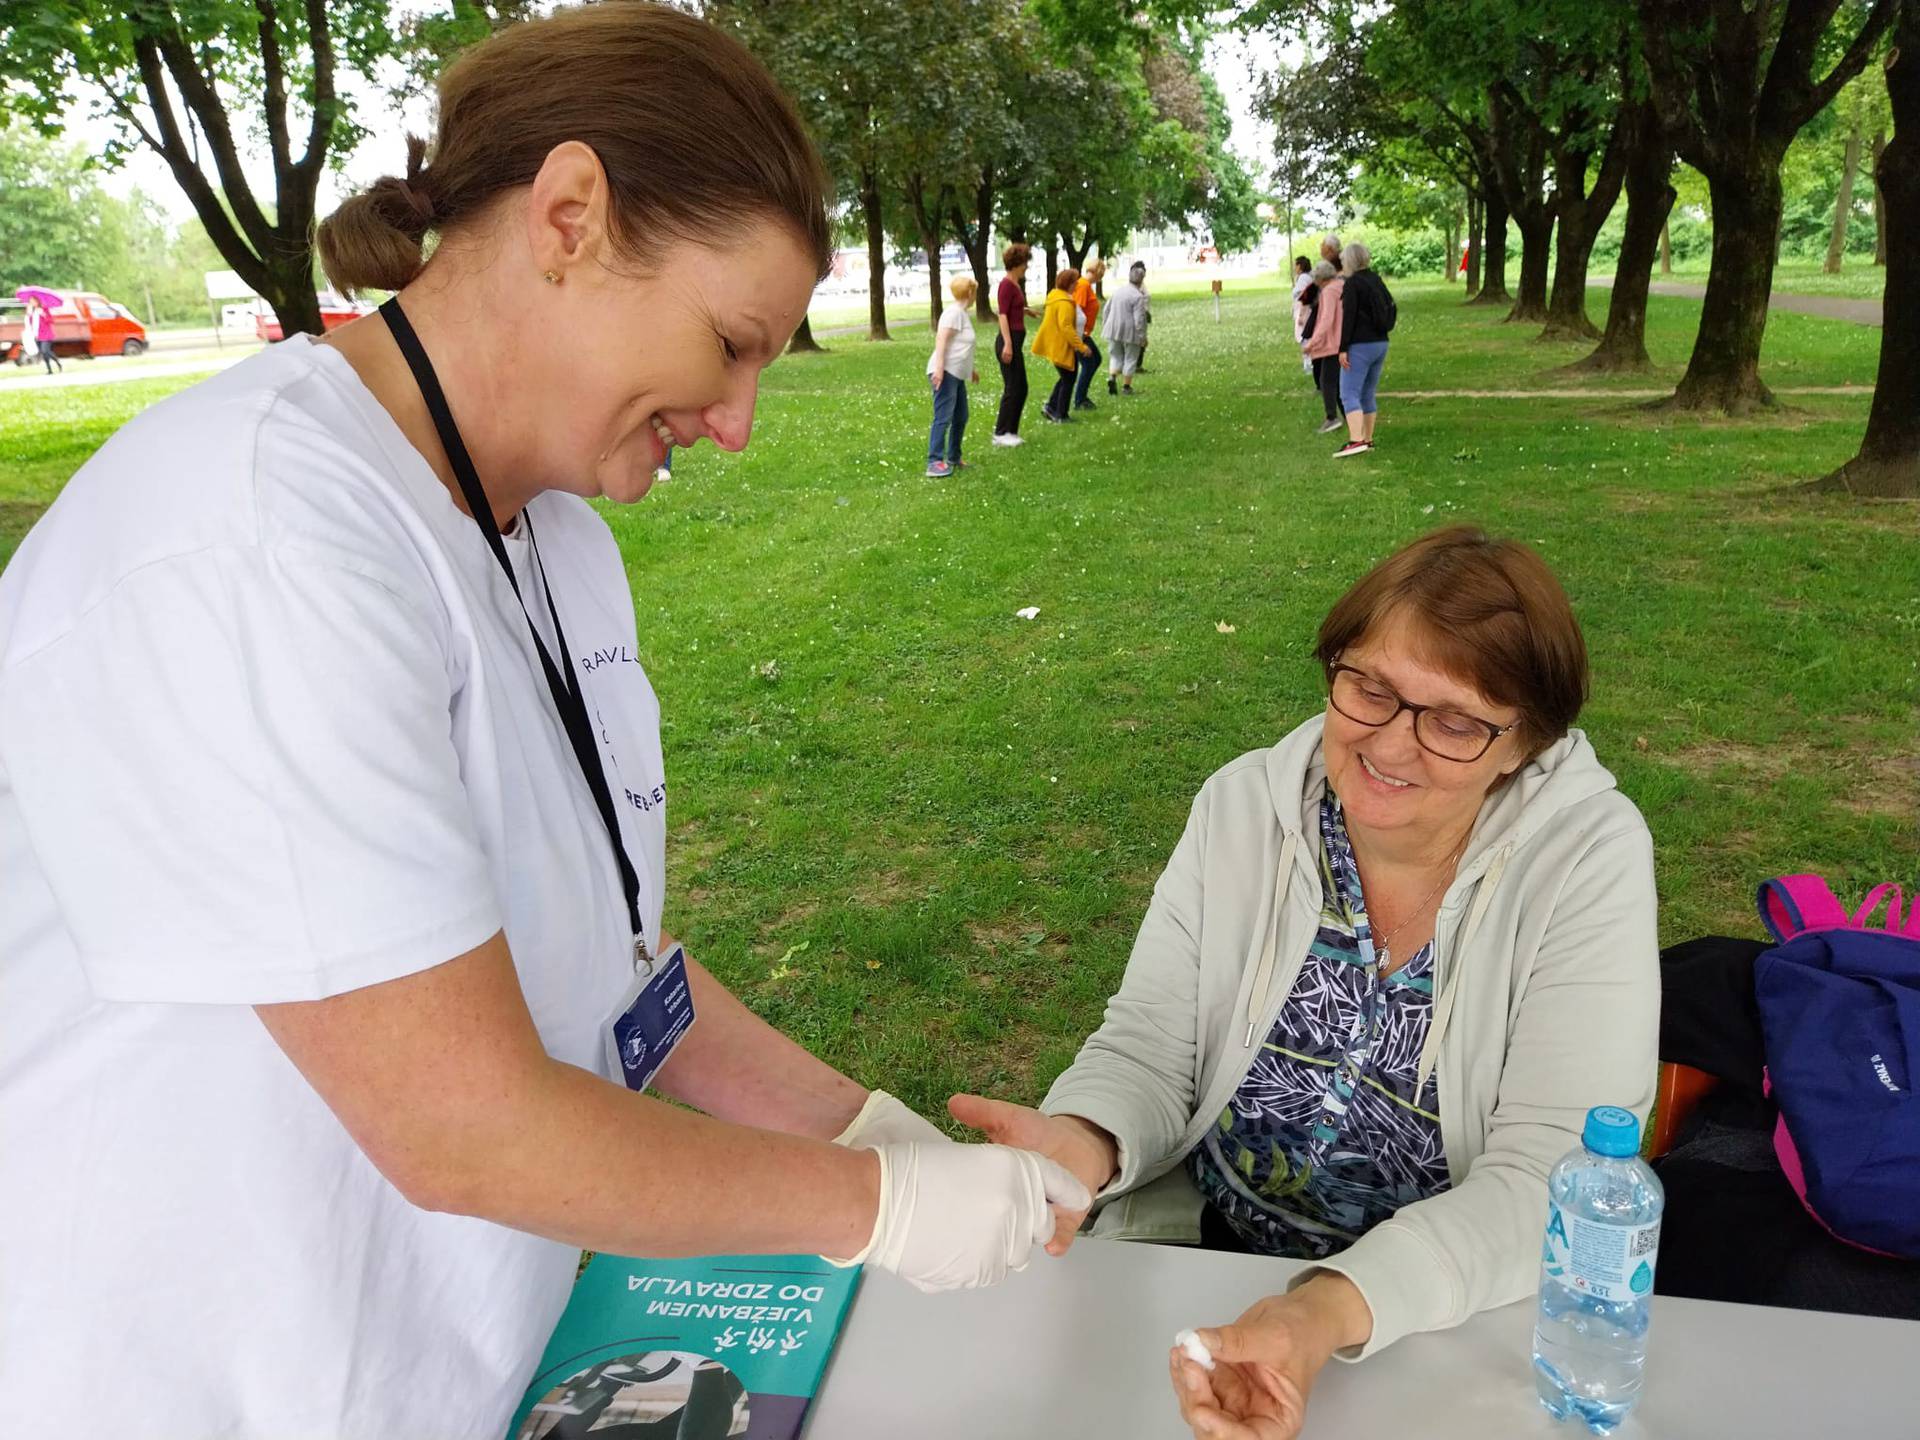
(1008,440)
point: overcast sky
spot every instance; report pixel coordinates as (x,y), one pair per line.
(1235,62)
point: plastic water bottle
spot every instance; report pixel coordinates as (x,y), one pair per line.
(1596,1274)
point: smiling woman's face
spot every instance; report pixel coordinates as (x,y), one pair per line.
(1386,780)
(675,352)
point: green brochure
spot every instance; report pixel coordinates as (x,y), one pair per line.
(723,1346)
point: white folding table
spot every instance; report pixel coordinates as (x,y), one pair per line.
(1077,1347)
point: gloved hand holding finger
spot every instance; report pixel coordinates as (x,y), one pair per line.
(959,1216)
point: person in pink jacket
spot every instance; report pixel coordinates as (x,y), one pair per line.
(1323,344)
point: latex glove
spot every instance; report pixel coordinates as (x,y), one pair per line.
(1088,1152)
(954,1217)
(883,1120)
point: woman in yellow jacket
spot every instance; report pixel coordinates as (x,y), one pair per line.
(1059,341)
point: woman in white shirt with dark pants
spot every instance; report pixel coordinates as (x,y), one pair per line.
(332,807)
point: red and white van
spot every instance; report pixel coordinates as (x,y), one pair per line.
(335,310)
(84,324)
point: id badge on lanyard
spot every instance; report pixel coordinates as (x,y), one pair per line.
(654,1014)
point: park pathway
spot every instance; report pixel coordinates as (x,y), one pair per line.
(1574,392)
(1827,307)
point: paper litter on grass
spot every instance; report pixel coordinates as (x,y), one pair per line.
(1032,612)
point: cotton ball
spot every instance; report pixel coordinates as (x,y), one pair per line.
(1197,1352)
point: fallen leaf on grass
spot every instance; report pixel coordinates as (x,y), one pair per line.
(1223,627)
(783,967)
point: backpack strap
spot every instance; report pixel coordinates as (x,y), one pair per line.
(1791,905)
(1872,902)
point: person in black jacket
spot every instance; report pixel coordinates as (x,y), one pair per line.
(1367,315)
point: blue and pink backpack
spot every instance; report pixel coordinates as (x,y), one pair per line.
(1840,1012)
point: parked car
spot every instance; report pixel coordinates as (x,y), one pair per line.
(335,311)
(84,324)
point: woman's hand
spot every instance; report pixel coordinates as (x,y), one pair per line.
(1089,1153)
(939,376)
(1006,351)
(1345,363)
(1265,1363)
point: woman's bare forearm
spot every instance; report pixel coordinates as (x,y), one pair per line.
(593,1164)
(442,1080)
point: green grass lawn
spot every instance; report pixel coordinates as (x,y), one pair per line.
(918,832)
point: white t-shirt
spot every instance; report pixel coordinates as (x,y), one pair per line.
(272,728)
(959,319)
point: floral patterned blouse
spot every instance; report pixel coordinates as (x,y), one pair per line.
(1325,1137)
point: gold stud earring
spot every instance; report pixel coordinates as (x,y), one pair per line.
(551,277)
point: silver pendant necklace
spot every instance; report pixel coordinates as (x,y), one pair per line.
(1383,959)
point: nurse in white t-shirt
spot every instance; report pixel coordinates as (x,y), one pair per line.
(327,865)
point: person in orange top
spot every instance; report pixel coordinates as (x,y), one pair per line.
(1086,300)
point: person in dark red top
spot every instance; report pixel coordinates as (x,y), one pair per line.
(1011,303)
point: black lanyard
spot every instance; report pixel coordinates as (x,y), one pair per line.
(565,685)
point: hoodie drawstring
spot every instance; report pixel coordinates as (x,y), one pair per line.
(1443,1007)
(1263,975)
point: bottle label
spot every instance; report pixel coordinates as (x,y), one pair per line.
(1591,1257)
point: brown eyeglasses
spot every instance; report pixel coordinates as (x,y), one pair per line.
(1450,734)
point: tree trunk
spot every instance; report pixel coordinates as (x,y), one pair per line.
(1493,284)
(1666,247)
(1536,247)
(876,257)
(926,220)
(291,293)
(1476,221)
(975,239)
(1889,460)
(803,342)
(1077,255)
(1450,248)
(1724,371)
(1053,260)
(1879,201)
(1650,197)
(1582,213)
(1843,204)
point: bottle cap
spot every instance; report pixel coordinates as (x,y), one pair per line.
(1611,1131)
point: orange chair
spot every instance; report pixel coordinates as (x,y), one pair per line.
(1680,1089)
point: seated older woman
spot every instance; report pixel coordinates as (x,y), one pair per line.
(1392,962)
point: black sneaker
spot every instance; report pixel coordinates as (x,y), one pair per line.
(1084,405)
(1352,447)
(1051,418)
(1112,389)
(1329,426)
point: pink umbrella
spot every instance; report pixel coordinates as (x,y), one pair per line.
(37,292)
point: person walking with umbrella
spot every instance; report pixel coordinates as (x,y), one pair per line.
(36,328)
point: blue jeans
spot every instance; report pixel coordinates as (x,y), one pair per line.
(949,418)
(1087,366)
(1366,359)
